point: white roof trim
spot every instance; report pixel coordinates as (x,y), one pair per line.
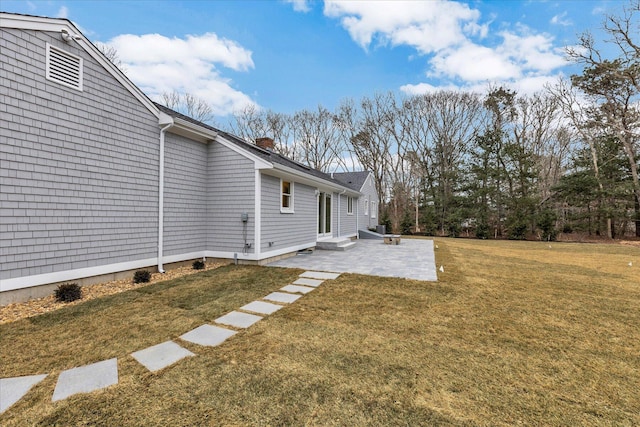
(36,23)
(312,180)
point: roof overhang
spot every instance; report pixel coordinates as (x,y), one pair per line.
(57,25)
(310,180)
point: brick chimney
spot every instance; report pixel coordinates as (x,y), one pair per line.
(265,143)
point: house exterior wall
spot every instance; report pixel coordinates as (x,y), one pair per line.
(185,196)
(347,221)
(369,194)
(231,191)
(287,229)
(79,169)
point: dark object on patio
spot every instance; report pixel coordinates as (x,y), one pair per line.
(392,239)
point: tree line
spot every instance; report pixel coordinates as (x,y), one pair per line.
(493,165)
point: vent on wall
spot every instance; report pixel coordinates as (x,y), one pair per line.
(64,68)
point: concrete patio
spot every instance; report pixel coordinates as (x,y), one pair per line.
(411,259)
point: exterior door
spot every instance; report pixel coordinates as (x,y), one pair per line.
(324,214)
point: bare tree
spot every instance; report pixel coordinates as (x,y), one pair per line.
(613,85)
(111,53)
(317,141)
(189,105)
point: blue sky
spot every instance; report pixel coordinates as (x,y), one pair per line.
(290,55)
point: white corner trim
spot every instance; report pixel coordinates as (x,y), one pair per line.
(257,221)
(80,273)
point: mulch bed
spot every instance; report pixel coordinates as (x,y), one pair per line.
(34,307)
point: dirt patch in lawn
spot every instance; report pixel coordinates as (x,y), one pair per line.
(34,307)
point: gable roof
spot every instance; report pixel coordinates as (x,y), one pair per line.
(193,128)
(277,160)
(353,180)
(58,25)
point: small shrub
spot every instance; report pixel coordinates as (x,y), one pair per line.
(198,264)
(141,276)
(68,292)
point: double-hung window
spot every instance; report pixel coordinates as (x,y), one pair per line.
(286,201)
(349,205)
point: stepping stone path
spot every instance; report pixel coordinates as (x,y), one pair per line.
(161,355)
(297,289)
(308,282)
(282,297)
(96,376)
(237,319)
(208,335)
(12,389)
(86,379)
(261,307)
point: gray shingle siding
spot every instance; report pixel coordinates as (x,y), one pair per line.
(287,229)
(231,184)
(185,196)
(78,168)
(347,222)
(368,191)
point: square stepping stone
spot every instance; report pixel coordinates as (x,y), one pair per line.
(295,289)
(86,379)
(208,335)
(13,389)
(308,282)
(282,297)
(161,355)
(238,319)
(320,275)
(261,307)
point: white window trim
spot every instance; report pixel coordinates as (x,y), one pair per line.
(374,209)
(48,75)
(290,209)
(349,205)
(366,206)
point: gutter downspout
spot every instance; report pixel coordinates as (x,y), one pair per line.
(161,195)
(357,219)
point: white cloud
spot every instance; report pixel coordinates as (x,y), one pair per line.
(561,19)
(159,64)
(63,12)
(454,41)
(472,63)
(299,5)
(428,26)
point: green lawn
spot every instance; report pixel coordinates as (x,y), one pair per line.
(513,333)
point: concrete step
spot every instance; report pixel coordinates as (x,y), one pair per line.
(336,244)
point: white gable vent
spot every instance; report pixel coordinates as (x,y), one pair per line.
(64,68)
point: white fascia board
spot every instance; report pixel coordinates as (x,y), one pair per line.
(192,130)
(258,162)
(36,23)
(312,181)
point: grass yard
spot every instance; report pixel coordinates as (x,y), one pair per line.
(513,333)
